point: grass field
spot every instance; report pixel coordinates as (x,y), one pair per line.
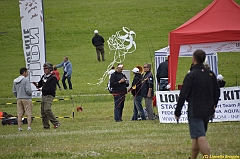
(93,133)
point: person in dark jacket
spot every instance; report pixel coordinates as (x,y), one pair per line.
(147,90)
(119,84)
(220,80)
(47,85)
(200,89)
(98,42)
(136,92)
(162,75)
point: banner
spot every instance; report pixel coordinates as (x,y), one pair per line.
(33,37)
(228,46)
(228,108)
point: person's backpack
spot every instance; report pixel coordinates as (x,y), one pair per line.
(109,87)
(8,119)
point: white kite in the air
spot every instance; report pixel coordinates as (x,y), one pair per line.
(121,43)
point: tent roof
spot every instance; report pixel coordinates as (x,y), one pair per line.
(220,15)
(218,22)
(163,51)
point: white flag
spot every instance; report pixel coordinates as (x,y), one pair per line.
(33,36)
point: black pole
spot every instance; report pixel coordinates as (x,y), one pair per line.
(72,107)
(236,79)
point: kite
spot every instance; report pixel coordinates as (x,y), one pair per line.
(121,43)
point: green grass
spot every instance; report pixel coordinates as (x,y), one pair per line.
(93,133)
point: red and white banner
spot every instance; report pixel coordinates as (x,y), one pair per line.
(228,46)
(33,36)
(228,108)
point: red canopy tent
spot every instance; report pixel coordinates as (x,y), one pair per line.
(218,22)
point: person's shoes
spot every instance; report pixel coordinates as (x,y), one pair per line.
(29,128)
(19,129)
(46,127)
(56,126)
(60,89)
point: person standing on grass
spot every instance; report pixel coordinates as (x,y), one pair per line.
(162,75)
(98,42)
(147,90)
(57,74)
(137,98)
(119,84)
(200,89)
(67,69)
(220,80)
(22,90)
(47,85)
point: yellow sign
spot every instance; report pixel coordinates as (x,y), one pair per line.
(221,156)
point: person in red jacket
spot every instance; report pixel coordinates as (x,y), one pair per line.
(57,74)
(1,115)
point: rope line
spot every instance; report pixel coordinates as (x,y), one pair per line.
(36,101)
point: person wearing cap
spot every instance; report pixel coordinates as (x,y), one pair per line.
(220,80)
(98,42)
(47,85)
(22,90)
(119,84)
(136,92)
(67,69)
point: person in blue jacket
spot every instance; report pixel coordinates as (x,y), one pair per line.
(67,69)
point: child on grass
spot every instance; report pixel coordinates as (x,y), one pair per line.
(57,74)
